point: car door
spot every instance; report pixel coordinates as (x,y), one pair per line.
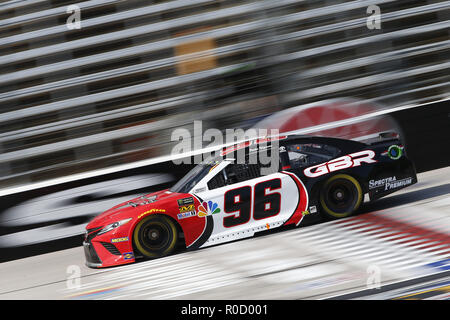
(242,201)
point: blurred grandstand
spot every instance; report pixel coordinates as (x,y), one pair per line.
(111,92)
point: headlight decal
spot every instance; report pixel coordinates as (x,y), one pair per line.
(114,225)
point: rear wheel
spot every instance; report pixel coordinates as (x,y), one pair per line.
(155,236)
(341,196)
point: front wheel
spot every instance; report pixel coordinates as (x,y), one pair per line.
(155,236)
(341,196)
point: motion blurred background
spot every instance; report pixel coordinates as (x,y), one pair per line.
(111,92)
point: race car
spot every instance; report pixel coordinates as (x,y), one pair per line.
(223,199)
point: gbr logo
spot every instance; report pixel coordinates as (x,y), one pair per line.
(344,162)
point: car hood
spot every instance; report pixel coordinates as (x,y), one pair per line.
(133,207)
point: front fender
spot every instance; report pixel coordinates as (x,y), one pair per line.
(190,224)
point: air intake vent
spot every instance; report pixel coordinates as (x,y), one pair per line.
(111,248)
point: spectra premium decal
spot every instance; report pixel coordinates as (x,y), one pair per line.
(380,182)
(397,184)
(389,183)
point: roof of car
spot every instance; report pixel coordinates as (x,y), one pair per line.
(343,144)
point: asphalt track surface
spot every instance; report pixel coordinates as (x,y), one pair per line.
(397,248)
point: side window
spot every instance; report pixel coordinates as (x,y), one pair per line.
(234,173)
(217,181)
(307,154)
(242,172)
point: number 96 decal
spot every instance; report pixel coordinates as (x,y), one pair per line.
(242,202)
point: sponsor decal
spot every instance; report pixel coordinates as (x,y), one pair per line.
(381,182)
(128,256)
(207,209)
(344,162)
(395,152)
(186,214)
(116,240)
(187,208)
(151,211)
(389,183)
(397,184)
(311,210)
(185,201)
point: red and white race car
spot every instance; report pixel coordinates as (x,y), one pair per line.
(222,200)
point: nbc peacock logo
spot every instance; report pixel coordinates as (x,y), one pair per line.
(206,209)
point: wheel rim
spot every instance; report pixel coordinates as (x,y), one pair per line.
(341,196)
(155,237)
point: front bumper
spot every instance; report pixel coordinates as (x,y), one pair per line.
(92,258)
(98,255)
(103,251)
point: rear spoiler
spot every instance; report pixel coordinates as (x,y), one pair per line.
(379,137)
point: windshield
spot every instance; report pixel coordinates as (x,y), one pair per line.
(192,178)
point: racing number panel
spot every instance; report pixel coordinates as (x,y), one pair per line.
(252,205)
(267,205)
(237,200)
(240,200)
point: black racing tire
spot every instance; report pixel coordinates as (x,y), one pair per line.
(340,196)
(155,236)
